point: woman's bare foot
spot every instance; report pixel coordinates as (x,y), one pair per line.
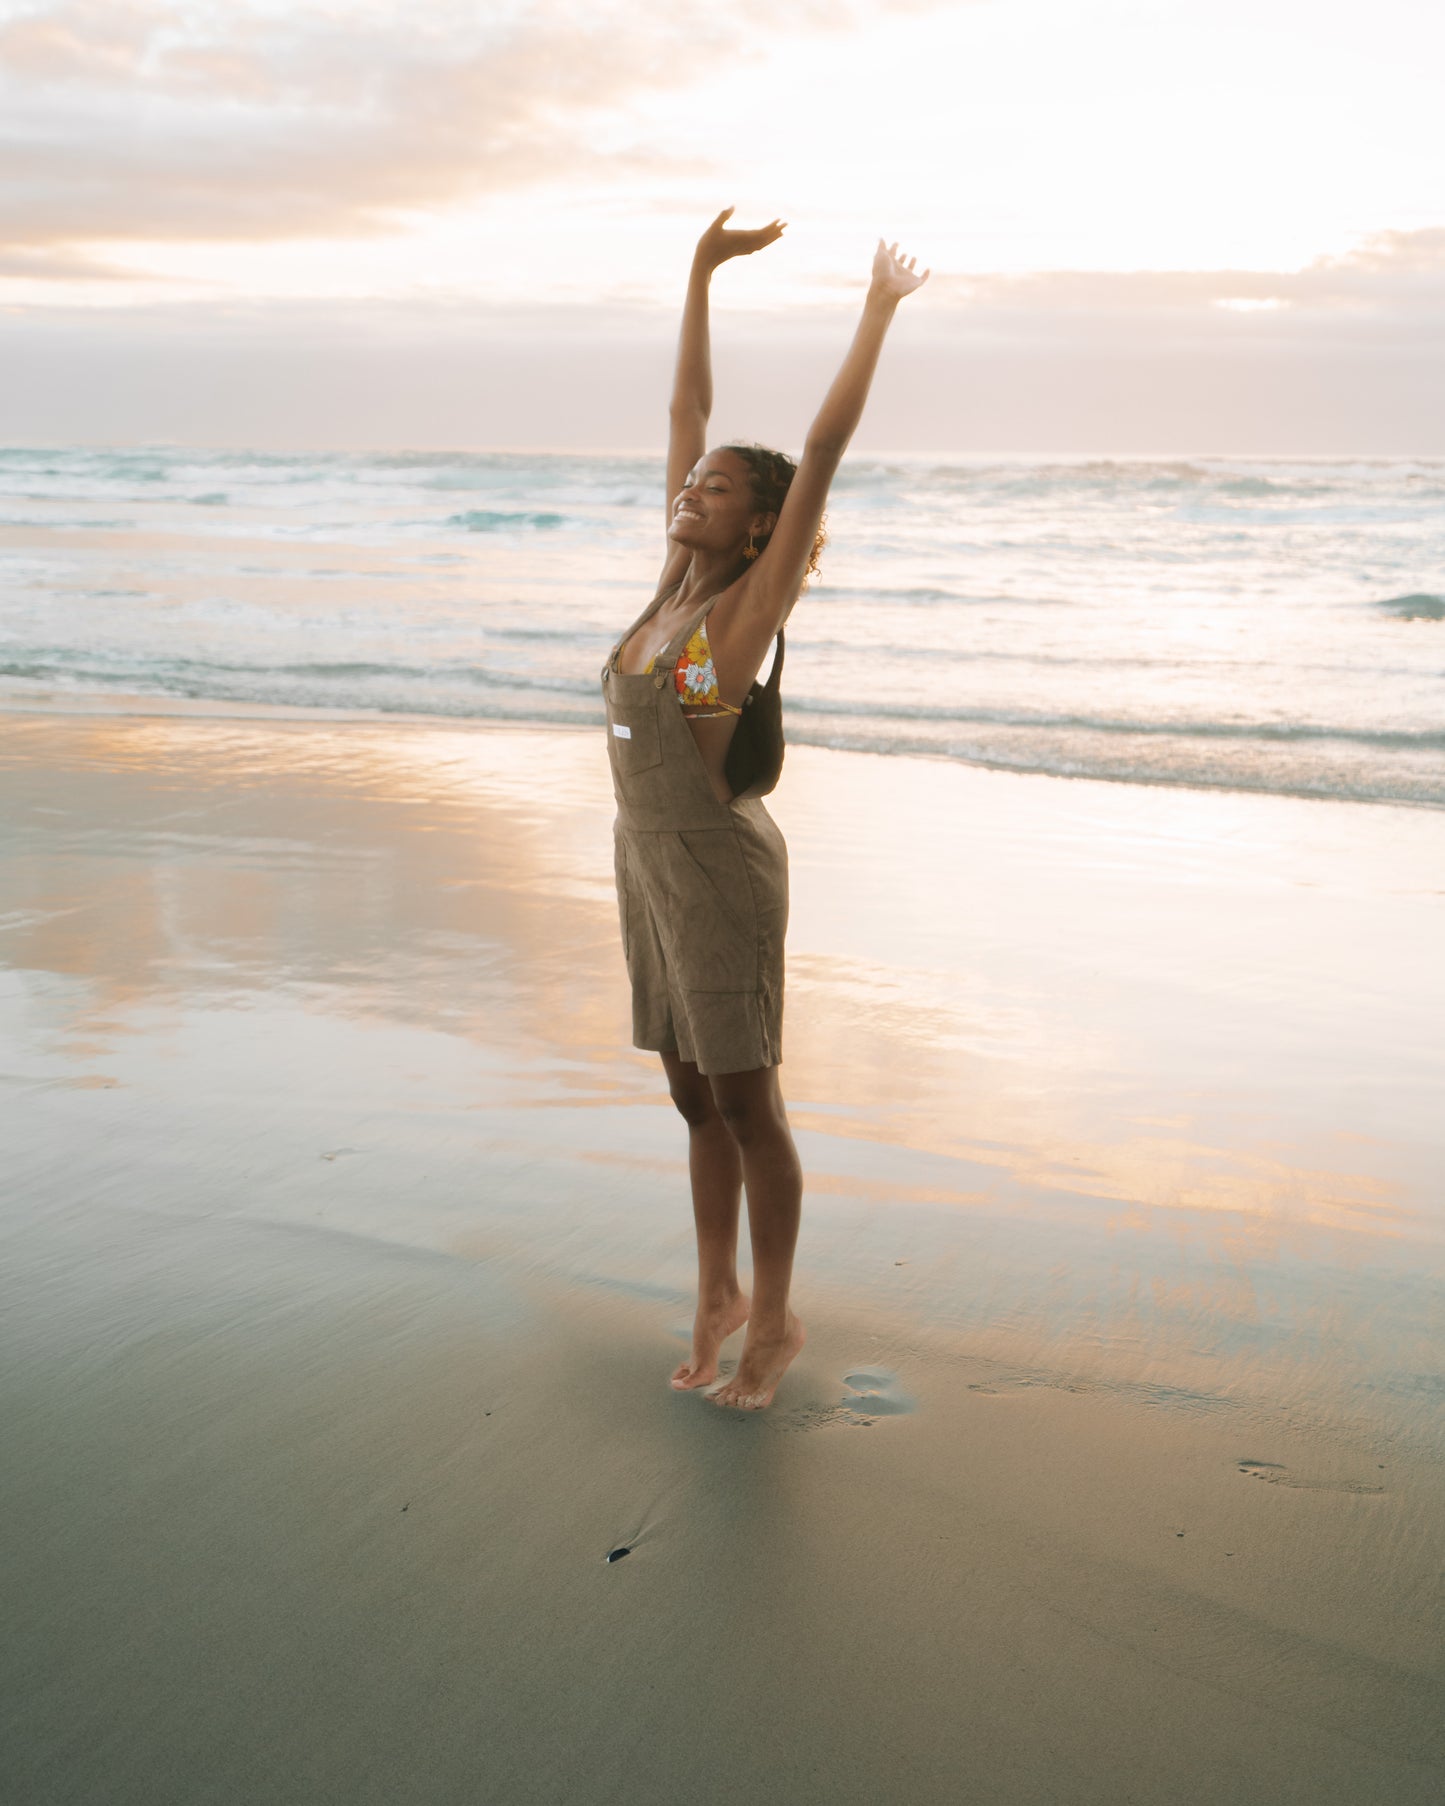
(764,1362)
(711,1327)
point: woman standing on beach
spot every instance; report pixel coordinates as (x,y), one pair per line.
(702,872)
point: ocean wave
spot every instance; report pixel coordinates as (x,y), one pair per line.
(493,520)
(360,697)
(68,526)
(564,634)
(1349,513)
(191,677)
(921,595)
(1291,732)
(962,496)
(876,719)
(1414,608)
(1242,488)
(381,694)
(1097,664)
(1394,788)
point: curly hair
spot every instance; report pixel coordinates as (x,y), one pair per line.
(770,475)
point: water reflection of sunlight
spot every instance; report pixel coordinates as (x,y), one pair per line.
(308,856)
(1104,1112)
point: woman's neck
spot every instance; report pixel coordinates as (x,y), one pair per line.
(706,575)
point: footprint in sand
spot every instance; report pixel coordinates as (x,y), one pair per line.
(1023,1383)
(873,1392)
(1275,1473)
(996,1388)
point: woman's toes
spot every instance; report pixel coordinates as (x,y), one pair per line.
(688,1379)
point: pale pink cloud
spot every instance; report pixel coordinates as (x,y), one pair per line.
(127,119)
(57,263)
(1397,274)
(82,40)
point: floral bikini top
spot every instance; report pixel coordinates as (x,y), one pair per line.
(695,679)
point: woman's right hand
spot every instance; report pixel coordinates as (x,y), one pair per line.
(893,275)
(717,244)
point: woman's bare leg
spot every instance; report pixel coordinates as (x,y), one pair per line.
(750,1104)
(716,1169)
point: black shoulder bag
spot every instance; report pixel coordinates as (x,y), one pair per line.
(755,756)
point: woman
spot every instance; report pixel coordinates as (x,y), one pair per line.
(702,875)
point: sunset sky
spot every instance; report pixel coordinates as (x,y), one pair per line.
(1154,225)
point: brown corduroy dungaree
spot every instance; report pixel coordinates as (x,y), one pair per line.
(702,886)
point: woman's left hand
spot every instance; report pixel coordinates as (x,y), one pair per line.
(894,275)
(718,244)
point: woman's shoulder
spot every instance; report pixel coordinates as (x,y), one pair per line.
(751,608)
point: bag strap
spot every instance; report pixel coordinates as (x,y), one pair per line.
(775,675)
(770,688)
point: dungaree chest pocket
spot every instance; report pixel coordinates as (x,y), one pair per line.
(632,733)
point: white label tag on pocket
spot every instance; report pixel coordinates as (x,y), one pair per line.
(622,733)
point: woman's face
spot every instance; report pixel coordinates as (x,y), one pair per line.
(715,511)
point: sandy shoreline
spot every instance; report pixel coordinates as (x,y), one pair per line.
(324,1144)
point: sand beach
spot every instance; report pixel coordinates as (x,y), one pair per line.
(346,1252)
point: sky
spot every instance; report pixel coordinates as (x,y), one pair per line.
(1153,225)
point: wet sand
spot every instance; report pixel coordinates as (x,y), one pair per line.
(346,1251)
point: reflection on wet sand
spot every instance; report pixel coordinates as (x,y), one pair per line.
(304,857)
(1138,1130)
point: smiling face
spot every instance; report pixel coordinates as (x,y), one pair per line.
(715,509)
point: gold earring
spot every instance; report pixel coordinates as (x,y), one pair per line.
(750,551)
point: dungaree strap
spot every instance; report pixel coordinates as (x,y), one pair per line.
(642,620)
(668,656)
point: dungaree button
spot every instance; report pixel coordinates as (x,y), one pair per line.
(659,680)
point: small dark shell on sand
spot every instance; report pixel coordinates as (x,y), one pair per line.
(617,1554)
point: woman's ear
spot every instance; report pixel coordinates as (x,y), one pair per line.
(762,525)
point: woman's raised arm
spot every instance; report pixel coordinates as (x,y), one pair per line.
(692,382)
(775,581)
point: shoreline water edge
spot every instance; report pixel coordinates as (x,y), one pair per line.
(1261,624)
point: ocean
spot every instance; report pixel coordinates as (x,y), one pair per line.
(1238,624)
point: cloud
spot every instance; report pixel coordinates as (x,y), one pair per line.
(471,373)
(1392,252)
(137,120)
(60,264)
(1393,283)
